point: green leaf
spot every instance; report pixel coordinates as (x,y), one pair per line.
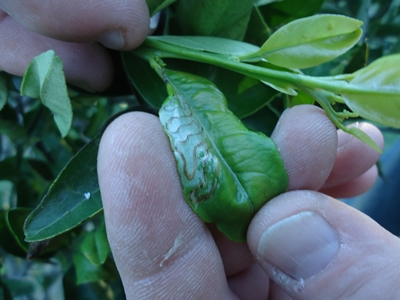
(227,172)
(264,2)
(282,12)
(224,18)
(13,130)
(86,271)
(209,44)
(12,236)
(95,245)
(245,94)
(257,30)
(309,41)
(44,78)
(72,198)
(3,90)
(144,79)
(157,5)
(377,93)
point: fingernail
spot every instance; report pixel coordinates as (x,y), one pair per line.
(300,246)
(113,39)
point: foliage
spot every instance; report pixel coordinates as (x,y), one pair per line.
(347,67)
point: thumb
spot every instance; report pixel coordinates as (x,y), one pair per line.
(117,24)
(316,247)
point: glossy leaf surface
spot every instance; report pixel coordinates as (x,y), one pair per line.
(72,198)
(44,78)
(310,41)
(382,103)
(227,172)
(224,18)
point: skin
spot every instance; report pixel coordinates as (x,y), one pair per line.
(161,248)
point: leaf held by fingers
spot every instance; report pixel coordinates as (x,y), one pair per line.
(227,172)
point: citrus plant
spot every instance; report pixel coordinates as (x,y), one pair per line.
(218,74)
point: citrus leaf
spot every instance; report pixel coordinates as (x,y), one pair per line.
(157,5)
(44,78)
(227,172)
(86,271)
(3,90)
(95,245)
(208,44)
(378,96)
(12,236)
(72,198)
(224,18)
(310,41)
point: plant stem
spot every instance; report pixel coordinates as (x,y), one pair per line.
(154,48)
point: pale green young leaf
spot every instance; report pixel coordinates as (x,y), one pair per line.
(44,78)
(310,41)
(3,90)
(72,198)
(227,172)
(209,44)
(376,95)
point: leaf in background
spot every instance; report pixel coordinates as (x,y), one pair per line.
(208,44)
(381,102)
(44,78)
(12,236)
(157,5)
(299,99)
(144,79)
(227,172)
(95,245)
(3,90)
(72,198)
(13,130)
(282,12)
(309,41)
(264,2)
(224,18)
(86,271)
(257,30)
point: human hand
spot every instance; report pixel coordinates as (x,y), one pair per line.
(28,28)
(311,245)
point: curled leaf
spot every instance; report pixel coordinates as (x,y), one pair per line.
(227,172)
(44,78)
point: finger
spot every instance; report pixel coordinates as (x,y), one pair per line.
(252,283)
(121,24)
(353,187)
(88,65)
(306,140)
(354,157)
(316,247)
(161,248)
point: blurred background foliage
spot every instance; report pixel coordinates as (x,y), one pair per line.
(78,264)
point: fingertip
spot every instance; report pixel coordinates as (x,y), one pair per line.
(316,247)
(306,140)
